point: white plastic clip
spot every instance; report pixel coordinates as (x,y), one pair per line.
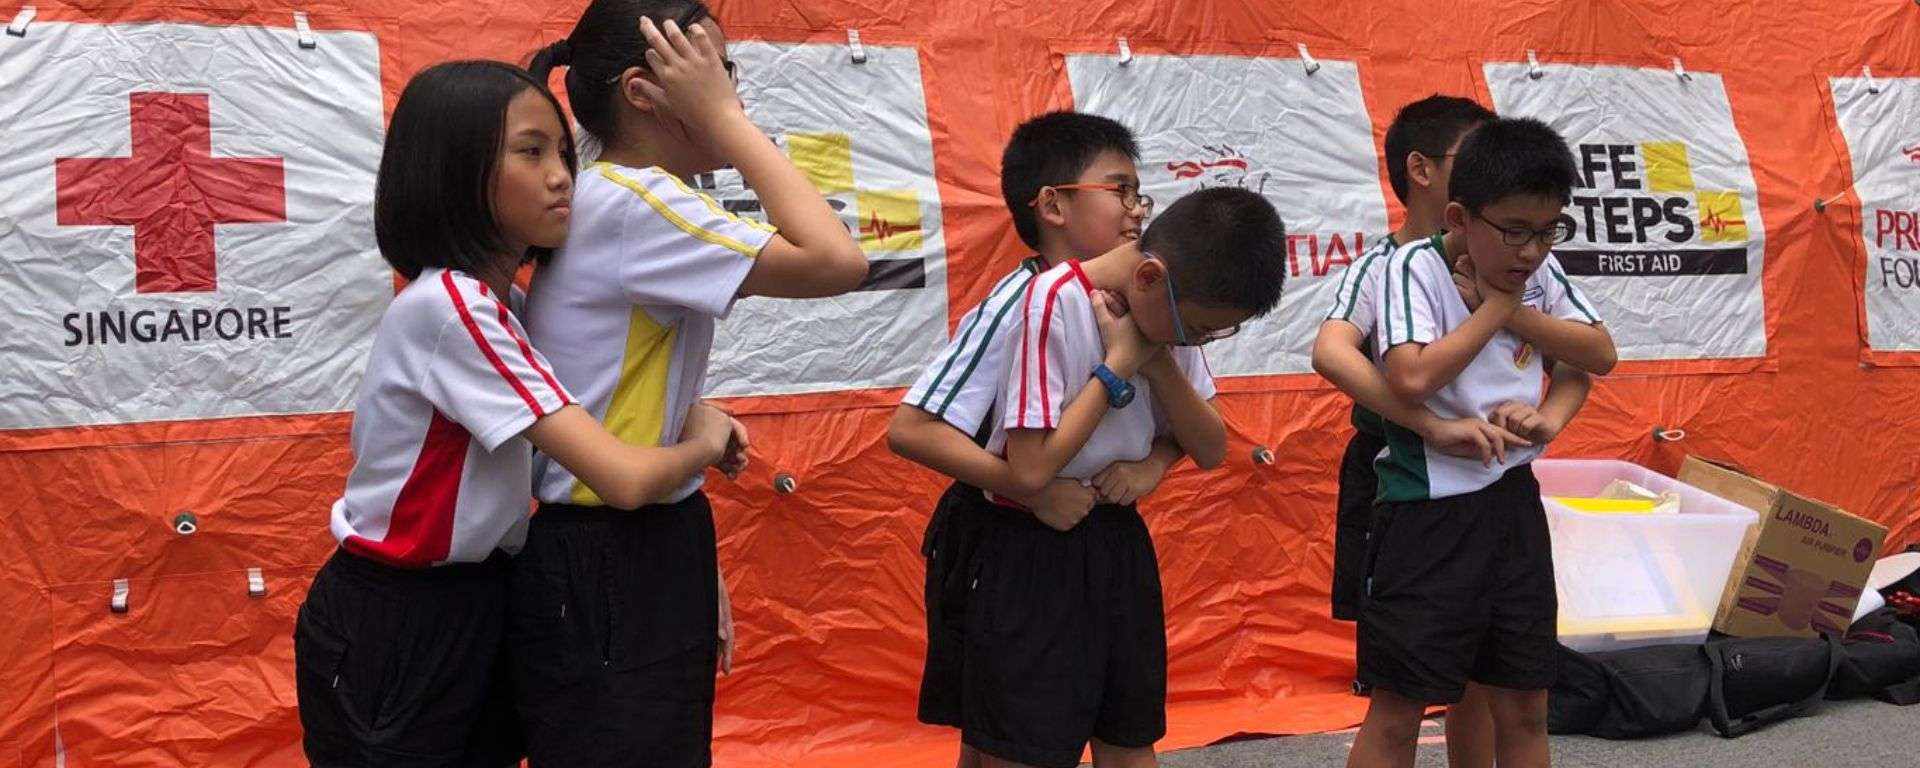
(18,27)
(256,583)
(1126,52)
(1873,86)
(120,591)
(1680,71)
(853,44)
(1306,59)
(1534,72)
(1668,434)
(784,483)
(305,31)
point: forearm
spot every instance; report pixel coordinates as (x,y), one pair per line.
(789,198)
(1567,388)
(1415,372)
(1360,379)
(1036,456)
(923,439)
(1587,347)
(1196,426)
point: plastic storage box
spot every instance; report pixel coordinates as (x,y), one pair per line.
(1631,580)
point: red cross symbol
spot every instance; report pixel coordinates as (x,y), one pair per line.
(171,191)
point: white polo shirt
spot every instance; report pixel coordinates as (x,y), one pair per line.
(441,472)
(963,383)
(1354,302)
(1419,303)
(1059,346)
(626,310)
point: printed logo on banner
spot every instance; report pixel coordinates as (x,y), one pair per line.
(1878,128)
(187,243)
(1303,141)
(1668,240)
(860,134)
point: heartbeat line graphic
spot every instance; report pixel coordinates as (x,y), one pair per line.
(881,229)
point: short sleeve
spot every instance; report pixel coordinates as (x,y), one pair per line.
(1193,362)
(1359,289)
(1036,381)
(962,382)
(1561,298)
(682,248)
(1409,300)
(484,375)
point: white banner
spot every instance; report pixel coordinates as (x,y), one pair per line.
(1669,241)
(1883,136)
(186,222)
(860,133)
(1302,140)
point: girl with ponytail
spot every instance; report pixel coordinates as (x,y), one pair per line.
(615,619)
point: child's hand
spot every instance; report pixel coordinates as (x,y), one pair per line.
(1125,482)
(1522,419)
(1127,348)
(726,627)
(1463,279)
(733,458)
(1062,504)
(1472,439)
(708,427)
(693,83)
(1491,294)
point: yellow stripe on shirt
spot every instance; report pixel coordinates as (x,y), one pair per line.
(637,412)
(667,212)
(715,207)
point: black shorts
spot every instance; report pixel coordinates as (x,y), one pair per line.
(613,633)
(1065,637)
(1352,520)
(404,666)
(1461,589)
(952,535)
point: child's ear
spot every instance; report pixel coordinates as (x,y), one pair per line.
(1047,209)
(1456,217)
(1419,169)
(634,84)
(1148,275)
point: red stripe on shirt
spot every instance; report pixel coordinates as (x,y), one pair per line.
(1025,331)
(479,339)
(1046,323)
(420,527)
(526,350)
(1079,273)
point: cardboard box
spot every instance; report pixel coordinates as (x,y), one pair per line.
(1800,571)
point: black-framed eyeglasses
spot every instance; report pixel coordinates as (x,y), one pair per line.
(1560,232)
(1181,338)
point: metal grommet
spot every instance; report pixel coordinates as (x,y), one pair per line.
(784,483)
(186,523)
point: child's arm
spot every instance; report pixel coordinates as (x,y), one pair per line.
(1125,482)
(1037,452)
(813,255)
(924,439)
(1587,347)
(1196,426)
(1337,356)
(622,474)
(1416,370)
(1566,391)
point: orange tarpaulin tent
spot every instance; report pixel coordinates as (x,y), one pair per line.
(1767,303)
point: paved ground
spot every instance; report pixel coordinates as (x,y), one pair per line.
(1862,733)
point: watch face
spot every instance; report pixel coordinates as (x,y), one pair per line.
(1122,398)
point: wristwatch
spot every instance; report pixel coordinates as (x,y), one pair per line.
(1119,390)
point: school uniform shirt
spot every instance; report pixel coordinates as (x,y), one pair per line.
(963,383)
(1354,302)
(1058,348)
(626,309)
(1419,303)
(440,466)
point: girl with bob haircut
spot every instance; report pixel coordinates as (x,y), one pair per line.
(398,649)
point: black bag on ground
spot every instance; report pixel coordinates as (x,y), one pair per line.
(1629,694)
(1879,658)
(1761,680)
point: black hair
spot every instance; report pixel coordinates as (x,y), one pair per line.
(1429,126)
(1054,148)
(605,42)
(432,204)
(1225,246)
(1508,157)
